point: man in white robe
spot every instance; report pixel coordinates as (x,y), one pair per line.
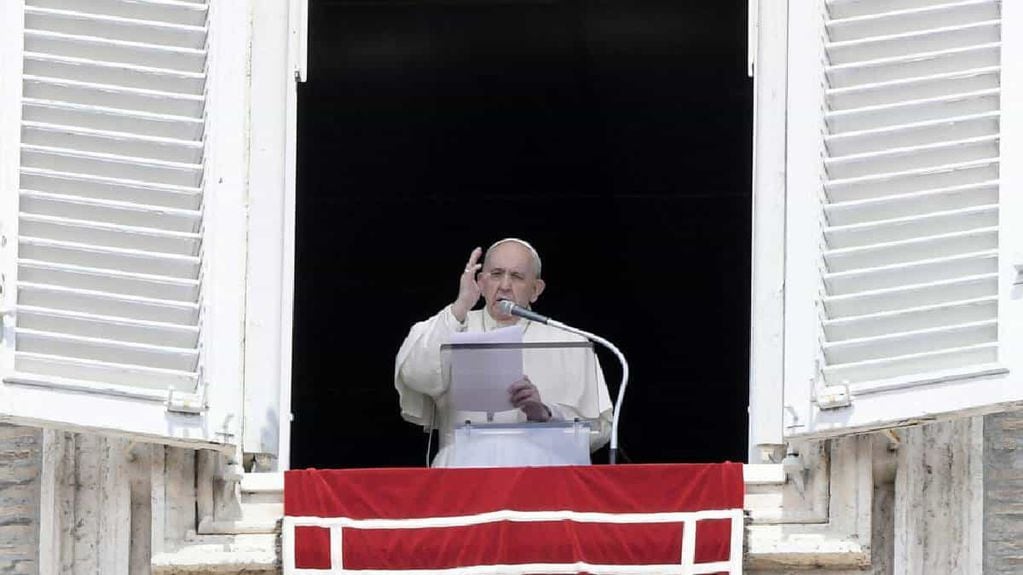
(561,385)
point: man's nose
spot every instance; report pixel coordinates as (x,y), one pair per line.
(506,282)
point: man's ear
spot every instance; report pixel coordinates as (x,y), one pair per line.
(537,290)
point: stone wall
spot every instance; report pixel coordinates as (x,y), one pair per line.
(938,504)
(20,464)
(1003,493)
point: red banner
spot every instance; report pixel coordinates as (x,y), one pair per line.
(441,519)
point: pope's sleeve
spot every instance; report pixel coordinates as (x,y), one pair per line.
(417,369)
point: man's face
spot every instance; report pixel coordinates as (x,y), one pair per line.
(508,273)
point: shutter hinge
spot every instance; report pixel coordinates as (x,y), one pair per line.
(5,312)
(833,397)
(752,35)
(824,395)
(298,14)
(186,403)
(1019,269)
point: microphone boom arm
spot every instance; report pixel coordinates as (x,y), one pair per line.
(613,450)
(511,308)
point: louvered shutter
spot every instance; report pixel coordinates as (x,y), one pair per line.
(900,302)
(106,267)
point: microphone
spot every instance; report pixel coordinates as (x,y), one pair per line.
(509,307)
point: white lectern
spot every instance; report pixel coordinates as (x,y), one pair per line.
(484,437)
(521,444)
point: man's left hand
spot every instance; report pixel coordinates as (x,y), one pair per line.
(525,396)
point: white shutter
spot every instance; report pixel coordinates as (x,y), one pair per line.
(897,279)
(108,277)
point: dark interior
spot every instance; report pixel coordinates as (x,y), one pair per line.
(613,135)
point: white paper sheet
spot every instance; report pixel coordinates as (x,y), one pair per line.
(480,377)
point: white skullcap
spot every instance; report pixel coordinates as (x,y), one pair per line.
(523,243)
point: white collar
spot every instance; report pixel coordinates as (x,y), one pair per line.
(489,323)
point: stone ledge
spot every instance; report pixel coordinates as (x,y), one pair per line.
(221,554)
(798,546)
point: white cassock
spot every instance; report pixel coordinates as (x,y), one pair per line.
(571,383)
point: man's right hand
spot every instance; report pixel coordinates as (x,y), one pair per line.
(468,289)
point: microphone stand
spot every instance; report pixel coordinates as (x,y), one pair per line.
(613,451)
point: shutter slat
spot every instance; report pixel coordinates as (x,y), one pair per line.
(111,74)
(901,205)
(913,319)
(921,271)
(913,111)
(127,260)
(911,296)
(113,119)
(111,212)
(106,350)
(105,372)
(910,135)
(905,251)
(893,367)
(92,325)
(110,235)
(911,181)
(841,9)
(913,89)
(894,160)
(915,42)
(109,281)
(111,143)
(909,227)
(133,99)
(115,189)
(189,13)
(914,65)
(899,22)
(102,303)
(110,165)
(913,342)
(115,27)
(105,50)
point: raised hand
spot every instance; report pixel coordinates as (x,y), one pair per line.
(468,289)
(525,396)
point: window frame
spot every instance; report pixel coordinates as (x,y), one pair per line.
(767,291)
(277,65)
